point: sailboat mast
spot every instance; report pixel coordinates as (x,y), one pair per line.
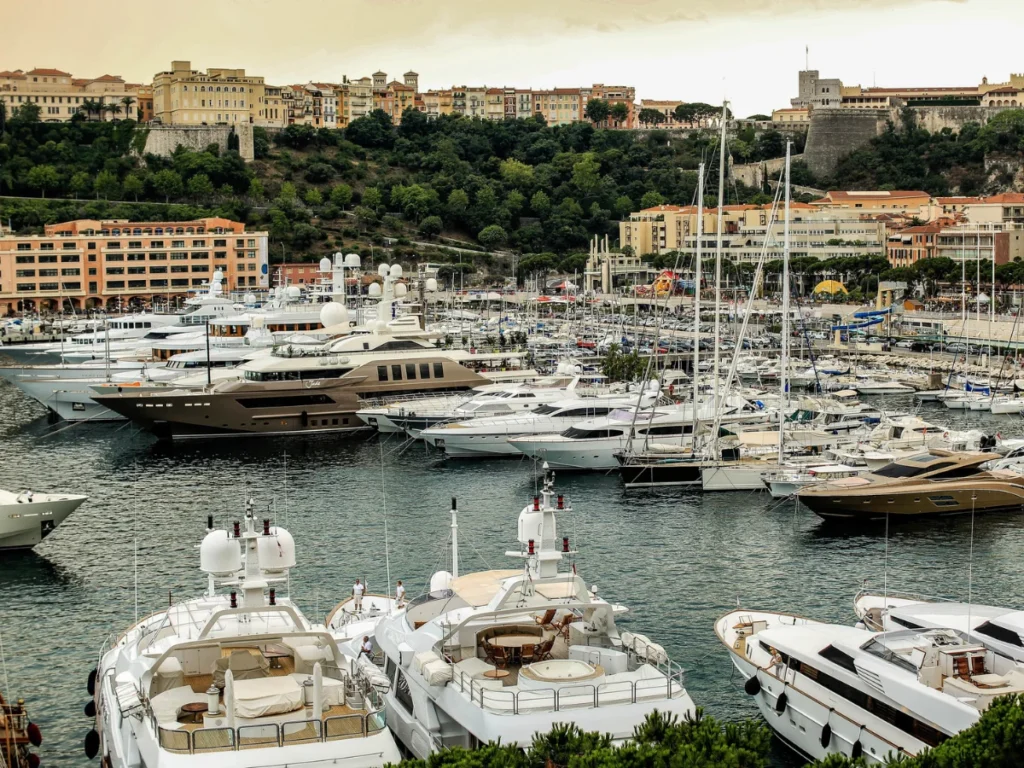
(697,273)
(718,255)
(784,365)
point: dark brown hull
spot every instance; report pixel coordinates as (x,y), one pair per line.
(919,500)
(273,408)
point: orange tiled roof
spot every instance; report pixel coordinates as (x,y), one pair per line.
(16,74)
(896,194)
(1006,197)
(108,79)
(1005,89)
(54,72)
(958,200)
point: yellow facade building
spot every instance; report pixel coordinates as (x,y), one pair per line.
(186,96)
(910,201)
(60,96)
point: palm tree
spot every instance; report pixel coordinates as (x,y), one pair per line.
(127,101)
(113,109)
(88,106)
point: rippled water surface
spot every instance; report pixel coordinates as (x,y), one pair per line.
(677,559)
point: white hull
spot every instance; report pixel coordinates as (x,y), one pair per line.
(472,446)
(980,405)
(784,489)
(66,371)
(582,455)
(884,389)
(735,478)
(25,524)
(1008,407)
(69,399)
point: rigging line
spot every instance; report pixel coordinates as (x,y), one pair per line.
(3,661)
(970,569)
(136,542)
(384,499)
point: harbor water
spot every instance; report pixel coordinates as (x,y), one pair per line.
(379,510)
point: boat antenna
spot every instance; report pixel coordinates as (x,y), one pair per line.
(885,569)
(3,661)
(970,568)
(135,554)
(384,501)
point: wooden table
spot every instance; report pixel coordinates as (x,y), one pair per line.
(497,674)
(193,710)
(274,653)
(515,643)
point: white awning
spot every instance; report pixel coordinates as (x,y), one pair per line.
(478,589)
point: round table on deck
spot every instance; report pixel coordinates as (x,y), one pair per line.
(193,710)
(497,674)
(515,643)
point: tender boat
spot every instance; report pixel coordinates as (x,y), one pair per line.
(237,677)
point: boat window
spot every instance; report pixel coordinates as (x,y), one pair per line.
(904,622)
(1002,634)
(575,433)
(410,370)
(919,730)
(424,370)
(678,429)
(839,657)
(402,693)
(882,651)
(396,373)
(284,401)
(382,373)
(544,410)
(902,469)
(438,370)
(388,346)
(961,471)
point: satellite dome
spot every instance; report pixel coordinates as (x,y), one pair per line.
(333,314)
(219,554)
(293,292)
(215,287)
(325,264)
(401,289)
(431,284)
(380,325)
(250,298)
(383,270)
(353,260)
(374,290)
(279,292)
(441,582)
(218,276)
(277,551)
(396,270)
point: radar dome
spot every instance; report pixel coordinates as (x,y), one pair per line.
(218,276)
(333,314)
(353,260)
(219,554)
(374,290)
(279,292)
(215,287)
(401,289)
(293,292)
(250,298)
(277,551)
(431,284)
(383,270)
(396,270)
(325,264)
(440,582)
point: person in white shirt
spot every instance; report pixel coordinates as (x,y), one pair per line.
(366,649)
(357,593)
(400,594)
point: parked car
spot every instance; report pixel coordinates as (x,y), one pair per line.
(905,344)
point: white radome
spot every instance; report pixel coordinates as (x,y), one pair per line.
(293,292)
(276,551)
(332,314)
(383,270)
(218,276)
(441,582)
(353,260)
(325,264)
(374,290)
(250,298)
(431,284)
(219,554)
(396,271)
(401,290)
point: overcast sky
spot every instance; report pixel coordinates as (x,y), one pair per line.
(748,51)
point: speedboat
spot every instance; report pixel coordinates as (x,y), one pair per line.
(785,482)
(829,689)
(931,483)
(506,654)
(238,676)
(28,517)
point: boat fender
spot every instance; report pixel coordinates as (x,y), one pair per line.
(90,708)
(826,736)
(92,744)
(780,703)
(33,760)
(35,736)
(856,750)
(91,685)
(752,686)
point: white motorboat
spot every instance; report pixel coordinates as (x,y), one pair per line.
(1007,405)
(506,654)
(882,387)
(238,678)
(829,689)
(28,517)
(785,482)
(488,437)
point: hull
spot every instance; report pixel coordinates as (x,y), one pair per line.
(69,399)
(482,446)
(578,455)
(23,525)
(1011,407)
(921,501)
(661,473)
(735,477)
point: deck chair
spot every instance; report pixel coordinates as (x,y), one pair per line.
(546,621)
(961,668)
(543,651)
(528,654)
(562,627)
(497,655)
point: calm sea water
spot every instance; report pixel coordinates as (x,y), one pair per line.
(677,559)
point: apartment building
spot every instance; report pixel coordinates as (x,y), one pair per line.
(881,200)
(813,232)
(614,94)
(559,106)
(186,96)
(1002,242)
(60,96)
(911,244)
(94,264)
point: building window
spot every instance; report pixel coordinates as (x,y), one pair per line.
(25,259)
(25,273)
(136,283)
(70,272)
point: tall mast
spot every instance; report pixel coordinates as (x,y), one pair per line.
(718,257)
(784,367)
(697,273)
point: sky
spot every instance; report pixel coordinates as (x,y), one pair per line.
(748,51)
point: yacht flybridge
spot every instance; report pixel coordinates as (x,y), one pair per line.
(240,672)
(830,689)
(506,654)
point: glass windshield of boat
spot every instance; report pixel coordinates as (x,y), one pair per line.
(911,466)
(575,433)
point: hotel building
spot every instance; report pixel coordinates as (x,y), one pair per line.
(98,264)
(60,96)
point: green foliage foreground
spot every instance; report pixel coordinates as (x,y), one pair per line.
(995,741)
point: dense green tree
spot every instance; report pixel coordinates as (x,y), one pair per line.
(313,197)
(492,236)
(80,184)
(540,203)
(586,174)
(43,178)
(200,188)
(318,173)
(256,192)
(372,131)
(133,186)
(431,226)
(107,186)
(651,199)
(341,195)
(167,184)
(372,199)
(619,112)
(597,110)
(648,117)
